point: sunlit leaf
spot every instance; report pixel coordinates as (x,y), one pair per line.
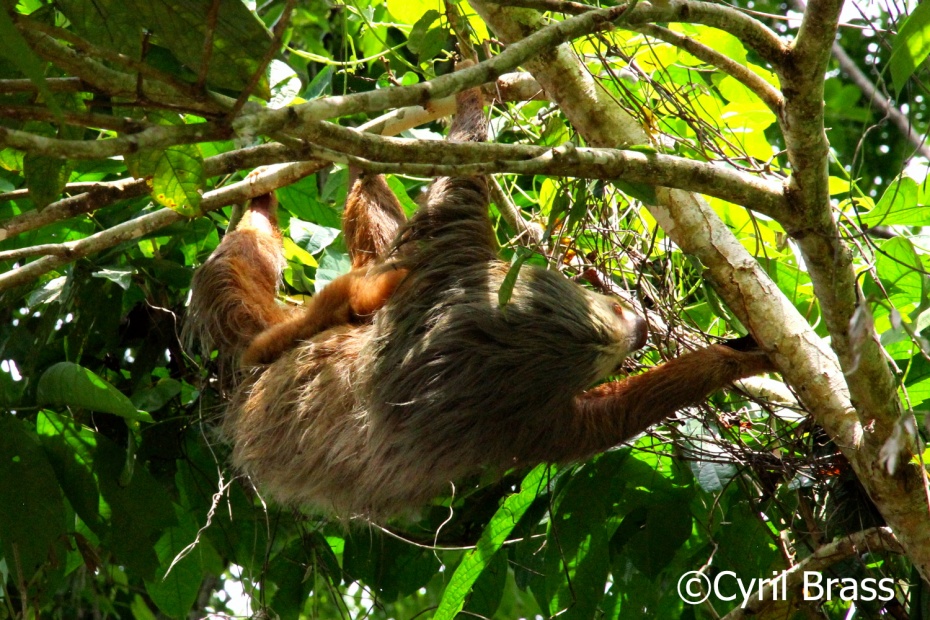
(496,532)
(911,46)
(68,384)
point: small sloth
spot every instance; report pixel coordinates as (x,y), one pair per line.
(406,374)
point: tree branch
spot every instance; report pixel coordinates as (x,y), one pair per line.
(509,87)
(812,225)
(268,122)
(117,83)
(866,541)
(132,230)
(753,33)
(744,75)
(438,158)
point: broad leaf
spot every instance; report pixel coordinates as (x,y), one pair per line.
(70,385)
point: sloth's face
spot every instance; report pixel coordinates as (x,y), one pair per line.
(627,329)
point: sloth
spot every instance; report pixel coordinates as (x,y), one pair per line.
(407,374)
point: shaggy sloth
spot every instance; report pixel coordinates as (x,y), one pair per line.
(406,374)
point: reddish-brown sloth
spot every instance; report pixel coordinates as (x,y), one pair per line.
(406,374)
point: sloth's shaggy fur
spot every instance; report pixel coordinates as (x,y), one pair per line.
(376,419)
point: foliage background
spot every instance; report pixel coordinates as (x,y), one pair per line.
(109,474)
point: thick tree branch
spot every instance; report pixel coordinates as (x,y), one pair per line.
(811,223)
(30,26)
(116,83)
(753,33)
(56,85)
(157,137)
(141,226)
(80,119)
(97,195)
(439,158)
(509,87)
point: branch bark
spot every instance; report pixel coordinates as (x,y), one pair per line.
(141,226)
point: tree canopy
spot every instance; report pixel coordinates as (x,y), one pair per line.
(726,168)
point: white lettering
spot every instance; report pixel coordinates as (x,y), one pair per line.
(886,585)
(717,585)
(850,589)
(809,585)
(747,592)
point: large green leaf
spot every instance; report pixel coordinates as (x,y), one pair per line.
(70,449)
(178,179)
(900,270)
(910,46)
(71,385)
(176,591)
(239,40)
(175,175)
(32,513)
(478,559)
(45,177)
(898,205)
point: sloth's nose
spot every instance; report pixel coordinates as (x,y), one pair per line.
(640,332)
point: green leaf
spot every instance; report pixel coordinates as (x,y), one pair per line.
(713,477)
(910,46)
(510,280)
(745,542)
(139,509)
(285,84)
(176,592)
(178,179)
(667,527)
(311,237)
(577,554)
(488,590)
(322,84)
(45,177)
(641,191)
(898,205)
(70,385)
(418,33)
(332,265)
(579,206)
(121,276)
(494,535)
(70,449)
(240,39)
(391,567)
(12,160)
(408,205)
(32,513)
(900,269)
(304,201)
(432,43)
(14,48)
(157,396)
